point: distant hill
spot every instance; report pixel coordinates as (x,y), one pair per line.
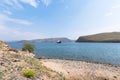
(102,37)
(48,40)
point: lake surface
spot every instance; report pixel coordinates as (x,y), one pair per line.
(95,52)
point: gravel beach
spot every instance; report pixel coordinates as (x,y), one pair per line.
(80,70)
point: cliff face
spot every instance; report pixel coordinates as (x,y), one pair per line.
(14,62)
(102,37)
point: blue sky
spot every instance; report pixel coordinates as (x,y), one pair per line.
(36,19)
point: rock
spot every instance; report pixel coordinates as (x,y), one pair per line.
(13,50)
(16,60)
(1,63)
(114,76)
(2,69)
(42,57)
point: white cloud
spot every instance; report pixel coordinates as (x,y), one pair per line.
(7,12)
(30,2)
(17,34)
(116,6)
(112,28)
(113,10)
(47,2)
(109,14)
(5,19)
(20,21)
(16,4)
(13,3)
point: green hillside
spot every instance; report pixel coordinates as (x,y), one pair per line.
(102,37)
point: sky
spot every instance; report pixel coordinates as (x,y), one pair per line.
(38,19)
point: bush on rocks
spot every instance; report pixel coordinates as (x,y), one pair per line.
(28,47)
(29,73)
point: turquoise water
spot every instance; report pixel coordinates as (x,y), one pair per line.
(94,52)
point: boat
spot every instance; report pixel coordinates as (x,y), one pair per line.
(58,41)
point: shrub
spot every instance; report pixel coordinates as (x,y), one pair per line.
(29,73)
(28,47)
(1,75)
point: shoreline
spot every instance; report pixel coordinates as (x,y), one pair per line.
(94,62)
(81,70)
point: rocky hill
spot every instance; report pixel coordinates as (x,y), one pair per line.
(48,40)
(14,62)
(102,37)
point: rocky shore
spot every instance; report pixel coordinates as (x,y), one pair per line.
(14,62)
(79,70)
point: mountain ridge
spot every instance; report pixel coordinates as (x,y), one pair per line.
(63,39)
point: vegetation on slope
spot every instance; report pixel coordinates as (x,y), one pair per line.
(14,63)
(28,47)
(102,37)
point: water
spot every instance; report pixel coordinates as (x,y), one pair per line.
(95,52)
